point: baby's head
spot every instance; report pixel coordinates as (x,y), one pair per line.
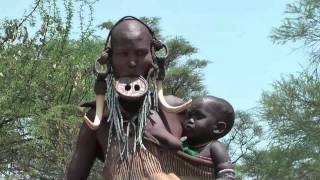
(209,118)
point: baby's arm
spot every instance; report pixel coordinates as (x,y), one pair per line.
(157,129)
(224,169)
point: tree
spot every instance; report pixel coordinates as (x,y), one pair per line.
(291,111)
(291,108)
(301,24)
(278,163)
(244,136)
(47,73)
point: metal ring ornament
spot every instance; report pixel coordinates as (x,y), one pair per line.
(166,50)
(100,69)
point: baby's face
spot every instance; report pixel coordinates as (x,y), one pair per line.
(201,122)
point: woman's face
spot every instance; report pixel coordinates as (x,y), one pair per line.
(131,49)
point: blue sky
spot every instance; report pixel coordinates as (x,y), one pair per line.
(234,35)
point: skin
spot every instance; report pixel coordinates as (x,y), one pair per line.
(131,52)
(166,134)
(206,123)
(203,126)
(131,56)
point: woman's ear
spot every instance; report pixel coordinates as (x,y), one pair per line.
(105,56)
(220,127)
(102,65)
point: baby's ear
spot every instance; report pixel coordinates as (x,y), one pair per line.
(220,127)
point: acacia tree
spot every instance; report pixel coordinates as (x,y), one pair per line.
(301,24)
(244,136)
(292,107)
(45,76)
(47,73)
(292,111)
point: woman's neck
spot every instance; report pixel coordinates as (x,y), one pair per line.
(130,108)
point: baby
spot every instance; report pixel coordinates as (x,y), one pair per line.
(209,118)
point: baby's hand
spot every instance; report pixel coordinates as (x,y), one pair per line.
(183,138)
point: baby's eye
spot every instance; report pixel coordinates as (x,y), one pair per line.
(197,115)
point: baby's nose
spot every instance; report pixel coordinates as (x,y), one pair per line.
(191,120)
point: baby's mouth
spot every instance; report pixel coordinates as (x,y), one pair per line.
(189,125)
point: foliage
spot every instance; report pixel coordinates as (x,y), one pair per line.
(244,136)
(278,163)
(47,72)
(301,24)
(185,75)
(181,70)
(45,75)
(291,109)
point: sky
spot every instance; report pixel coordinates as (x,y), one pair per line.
(233,35)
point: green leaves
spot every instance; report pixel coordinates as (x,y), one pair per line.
(301,24)
(291,109)
(46,74)
(185,80)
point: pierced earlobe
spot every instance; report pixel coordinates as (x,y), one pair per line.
(104,56)
(160,53)
(158,45)
(103,65)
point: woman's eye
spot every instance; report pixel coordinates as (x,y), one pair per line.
(141,52)
(122,53)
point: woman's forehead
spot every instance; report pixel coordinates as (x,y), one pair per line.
(130,30)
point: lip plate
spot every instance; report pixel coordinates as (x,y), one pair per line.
(132,93)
